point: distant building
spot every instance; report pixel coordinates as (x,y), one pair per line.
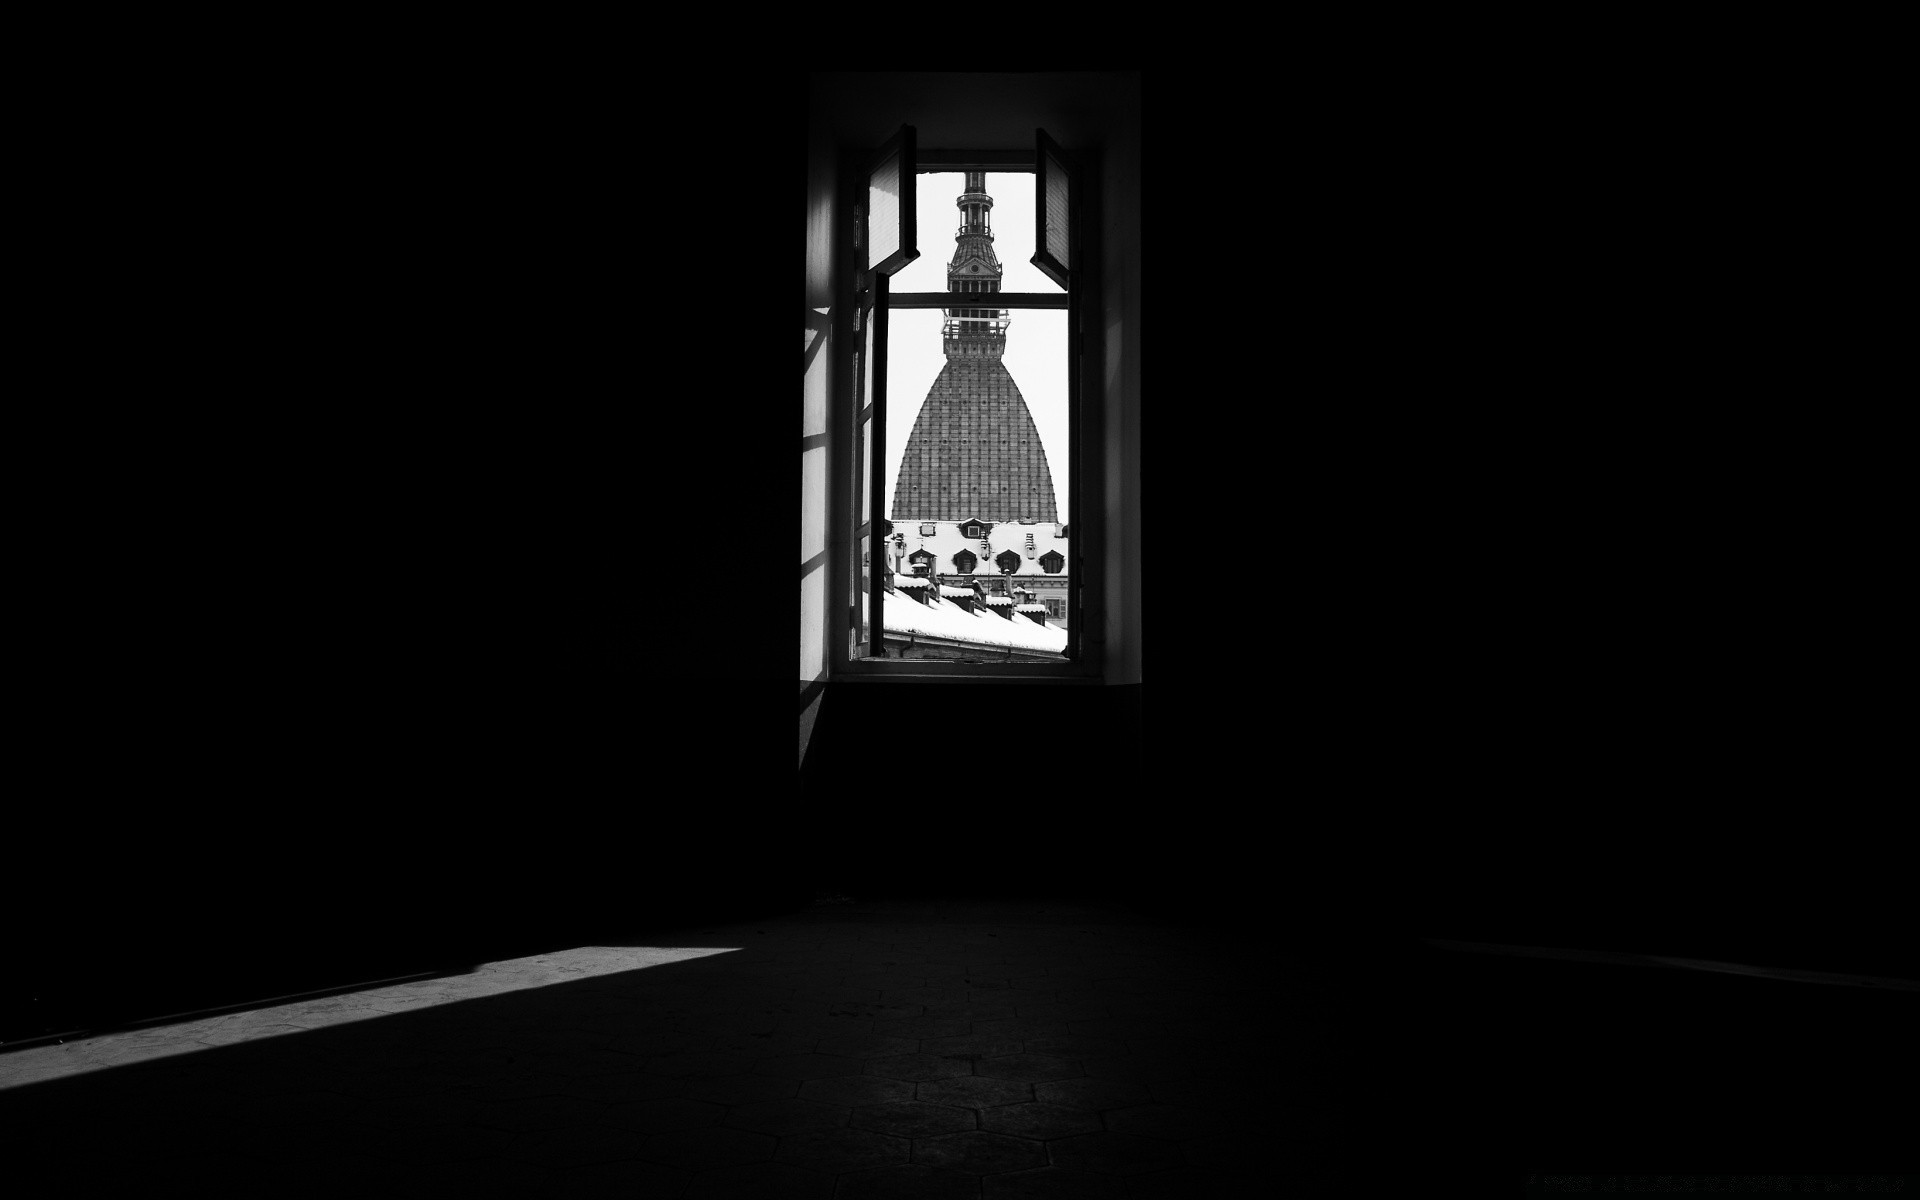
(974,498)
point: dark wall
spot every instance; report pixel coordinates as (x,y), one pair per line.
(979,790)
(320,733)
(363,642)
(1562,573)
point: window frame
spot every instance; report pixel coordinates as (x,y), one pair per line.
(1085,662)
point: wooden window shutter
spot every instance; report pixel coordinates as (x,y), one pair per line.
(892,234)
(1054,186)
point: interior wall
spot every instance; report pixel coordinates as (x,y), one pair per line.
(1121,386)
(816,451)
(396,650)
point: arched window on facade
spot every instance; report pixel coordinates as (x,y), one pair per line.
(964,562)
(1007,561)
(1053,562)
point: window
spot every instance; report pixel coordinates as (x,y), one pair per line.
(989,429)
(1052,561)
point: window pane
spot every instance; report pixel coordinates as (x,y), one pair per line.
(883,212)
(976,433)
(891,232)
(1002,422)
(1010,222)
(1057,211)
(977,436)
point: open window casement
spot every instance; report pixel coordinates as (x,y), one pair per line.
(1053,238)
(891,199)
(888,237)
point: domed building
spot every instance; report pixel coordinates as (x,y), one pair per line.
(973,503)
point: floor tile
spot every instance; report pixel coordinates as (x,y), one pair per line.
(979,1153)
(1115,1153)
(1059,1183)
(907,1181)
(1040,1119)
(1030,1068)
(913,1118)
(853,1091)
(758,1181)
(974,1092)
(781,1118)
(918,1068)
(699,1149)
(673,1112)
(1174,1121)
(836,1150)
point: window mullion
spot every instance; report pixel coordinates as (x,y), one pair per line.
(876,483)
(1000,299)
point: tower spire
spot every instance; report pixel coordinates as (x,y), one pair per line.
(974,268)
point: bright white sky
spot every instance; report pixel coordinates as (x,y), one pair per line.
(1036,340)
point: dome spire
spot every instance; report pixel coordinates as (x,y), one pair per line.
(974,332)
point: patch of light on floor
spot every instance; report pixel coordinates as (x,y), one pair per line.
(38,1063)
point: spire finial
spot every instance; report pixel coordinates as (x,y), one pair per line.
(975,332)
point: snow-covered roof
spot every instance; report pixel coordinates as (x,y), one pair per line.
(941,619)
(914,581)
(948,589)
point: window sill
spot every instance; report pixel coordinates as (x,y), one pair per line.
(1065,674)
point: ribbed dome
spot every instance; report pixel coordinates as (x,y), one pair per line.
(974,450)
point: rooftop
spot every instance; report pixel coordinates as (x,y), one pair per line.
(943,619)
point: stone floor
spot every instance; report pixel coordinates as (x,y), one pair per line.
(851,1051)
